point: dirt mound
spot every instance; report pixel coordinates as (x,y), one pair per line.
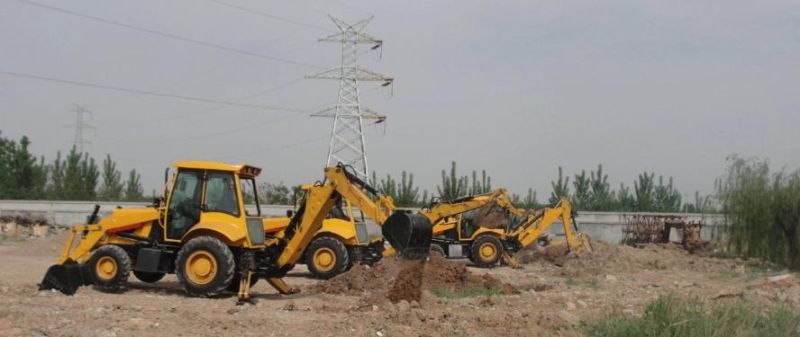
(555,254)
(399,280)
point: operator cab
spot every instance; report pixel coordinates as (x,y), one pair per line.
(209,191)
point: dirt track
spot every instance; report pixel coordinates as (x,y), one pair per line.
(552,300)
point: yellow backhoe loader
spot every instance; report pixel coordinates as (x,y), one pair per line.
(487,246)
(203,233)
(343,239)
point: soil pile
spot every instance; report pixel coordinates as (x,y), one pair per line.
(611,259)
(399,279)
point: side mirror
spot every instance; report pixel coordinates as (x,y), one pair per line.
(289,213)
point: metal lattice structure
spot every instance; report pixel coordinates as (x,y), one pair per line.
(80,142)
(347,144)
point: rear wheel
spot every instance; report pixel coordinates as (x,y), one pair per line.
(148,277)
(111,267)
(327,257)
(205,266)
(486,251)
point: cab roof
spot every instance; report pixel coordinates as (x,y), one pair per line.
(242,169)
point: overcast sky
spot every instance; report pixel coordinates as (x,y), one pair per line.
(514,87)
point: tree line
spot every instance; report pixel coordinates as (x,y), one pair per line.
(75,176)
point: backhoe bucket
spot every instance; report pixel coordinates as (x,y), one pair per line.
(410,234)
(67,278)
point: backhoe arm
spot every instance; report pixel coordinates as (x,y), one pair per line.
(439,212)
(402,230)
(535,226)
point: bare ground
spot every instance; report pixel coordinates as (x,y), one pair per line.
(551,300)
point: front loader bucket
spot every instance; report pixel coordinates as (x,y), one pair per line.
(410,234)
(67,278)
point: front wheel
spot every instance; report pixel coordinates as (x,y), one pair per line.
(486,251)
(327,257)
(205,266)
(111,267)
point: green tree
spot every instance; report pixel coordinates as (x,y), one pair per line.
(133,187)
(665,197)
(762,211)
(453,186)
(424,201)
(625,201)
(701,204)
(40,176)
(583,192)
(407,193)
(602,196)
(6,153)
(21,176)
(73,177)
(643,190)
(560,188)
(56,189)
(484,185)
(530,200)
(111,189)
(275,194)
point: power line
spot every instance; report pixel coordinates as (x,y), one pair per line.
(260,93)
(271,16)
(248,126)
(153,93)
(171,36)
(273,148)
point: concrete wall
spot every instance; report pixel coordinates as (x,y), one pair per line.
(605,226)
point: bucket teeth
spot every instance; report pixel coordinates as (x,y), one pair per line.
(66,278)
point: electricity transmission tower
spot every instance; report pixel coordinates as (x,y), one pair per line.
(80,142)
(347,137)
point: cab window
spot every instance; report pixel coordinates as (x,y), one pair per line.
(221,193)
(184,205)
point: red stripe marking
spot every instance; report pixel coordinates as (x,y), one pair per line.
(124,228)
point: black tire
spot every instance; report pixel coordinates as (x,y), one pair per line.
(334,250)
(221,269)
(479,251)
(436,249)
(111,268)
(148,277)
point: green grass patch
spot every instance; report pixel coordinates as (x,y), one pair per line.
(726,274)
(678,317)
(9,239)
(450,293)
(592,282)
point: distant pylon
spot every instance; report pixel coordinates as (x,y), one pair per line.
(347,137)
(80,142)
